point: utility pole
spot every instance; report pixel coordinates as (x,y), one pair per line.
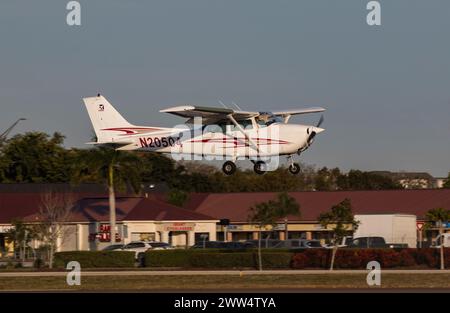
(8,130)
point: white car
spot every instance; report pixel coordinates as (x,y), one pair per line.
(142,246)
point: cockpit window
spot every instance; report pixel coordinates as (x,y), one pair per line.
(267,118)
(227,126)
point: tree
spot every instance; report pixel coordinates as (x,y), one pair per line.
(21,235)
(177,197)
(34,157)
(359,180)
(447,182)
(268,214)
(438,216)
(54,211)
(117,169)
(342,220)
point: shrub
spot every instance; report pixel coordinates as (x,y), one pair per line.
(168,258)
(348,258)
(18,265)
(427,256)
(89,259)
(407,257)
(390,258)
(219,258)
(447,257)
(300,261)
(275,259)
(38,263)
(318,257)
(228,260)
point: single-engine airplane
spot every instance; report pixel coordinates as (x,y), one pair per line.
(218,132)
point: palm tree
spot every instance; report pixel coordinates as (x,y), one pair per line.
(119,170)
(268,214)
(438,216)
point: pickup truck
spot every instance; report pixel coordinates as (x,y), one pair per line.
(374,243)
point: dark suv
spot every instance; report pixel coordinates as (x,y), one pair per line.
(368,242)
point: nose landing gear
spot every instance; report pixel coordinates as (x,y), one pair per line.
(294,168)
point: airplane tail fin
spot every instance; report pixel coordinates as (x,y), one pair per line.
(108,124)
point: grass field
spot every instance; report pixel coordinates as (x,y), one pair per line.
(229,282)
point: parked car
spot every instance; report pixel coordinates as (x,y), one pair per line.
(374,242)
(222,245)
(287,244)
(113,247)
(139,247)
(368,242)
(345,241)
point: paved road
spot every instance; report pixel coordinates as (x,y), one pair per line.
(234,272)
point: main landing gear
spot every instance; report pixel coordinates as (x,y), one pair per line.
(229,168)
(260,167)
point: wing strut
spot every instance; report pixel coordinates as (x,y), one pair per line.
(239,127)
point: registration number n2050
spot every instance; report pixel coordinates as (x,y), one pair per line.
(158,142)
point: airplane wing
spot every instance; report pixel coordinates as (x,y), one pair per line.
(209,114)
(299,111)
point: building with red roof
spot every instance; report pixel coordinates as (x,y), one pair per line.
(152,218)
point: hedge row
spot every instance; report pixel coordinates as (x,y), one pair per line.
(216,258)
(210,258)
(89,259)
(358,258)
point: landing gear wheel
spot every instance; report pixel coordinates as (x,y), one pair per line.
(260,167)
(229,168)
(294,168)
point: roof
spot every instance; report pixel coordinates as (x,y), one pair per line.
(56,187)
(233,206)
(127,209)
(152,209)
(14,205)
(236,206)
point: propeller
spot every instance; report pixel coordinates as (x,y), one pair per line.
(312,133)
(320,121)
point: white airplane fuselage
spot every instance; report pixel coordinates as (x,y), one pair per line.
(234,135)
(275,139)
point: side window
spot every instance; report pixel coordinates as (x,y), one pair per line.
(295,243)
(213,129)
(261,124)
(247,124)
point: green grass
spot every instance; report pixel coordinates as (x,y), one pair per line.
(218,282)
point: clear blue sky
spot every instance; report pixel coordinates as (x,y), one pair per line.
(387,89)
